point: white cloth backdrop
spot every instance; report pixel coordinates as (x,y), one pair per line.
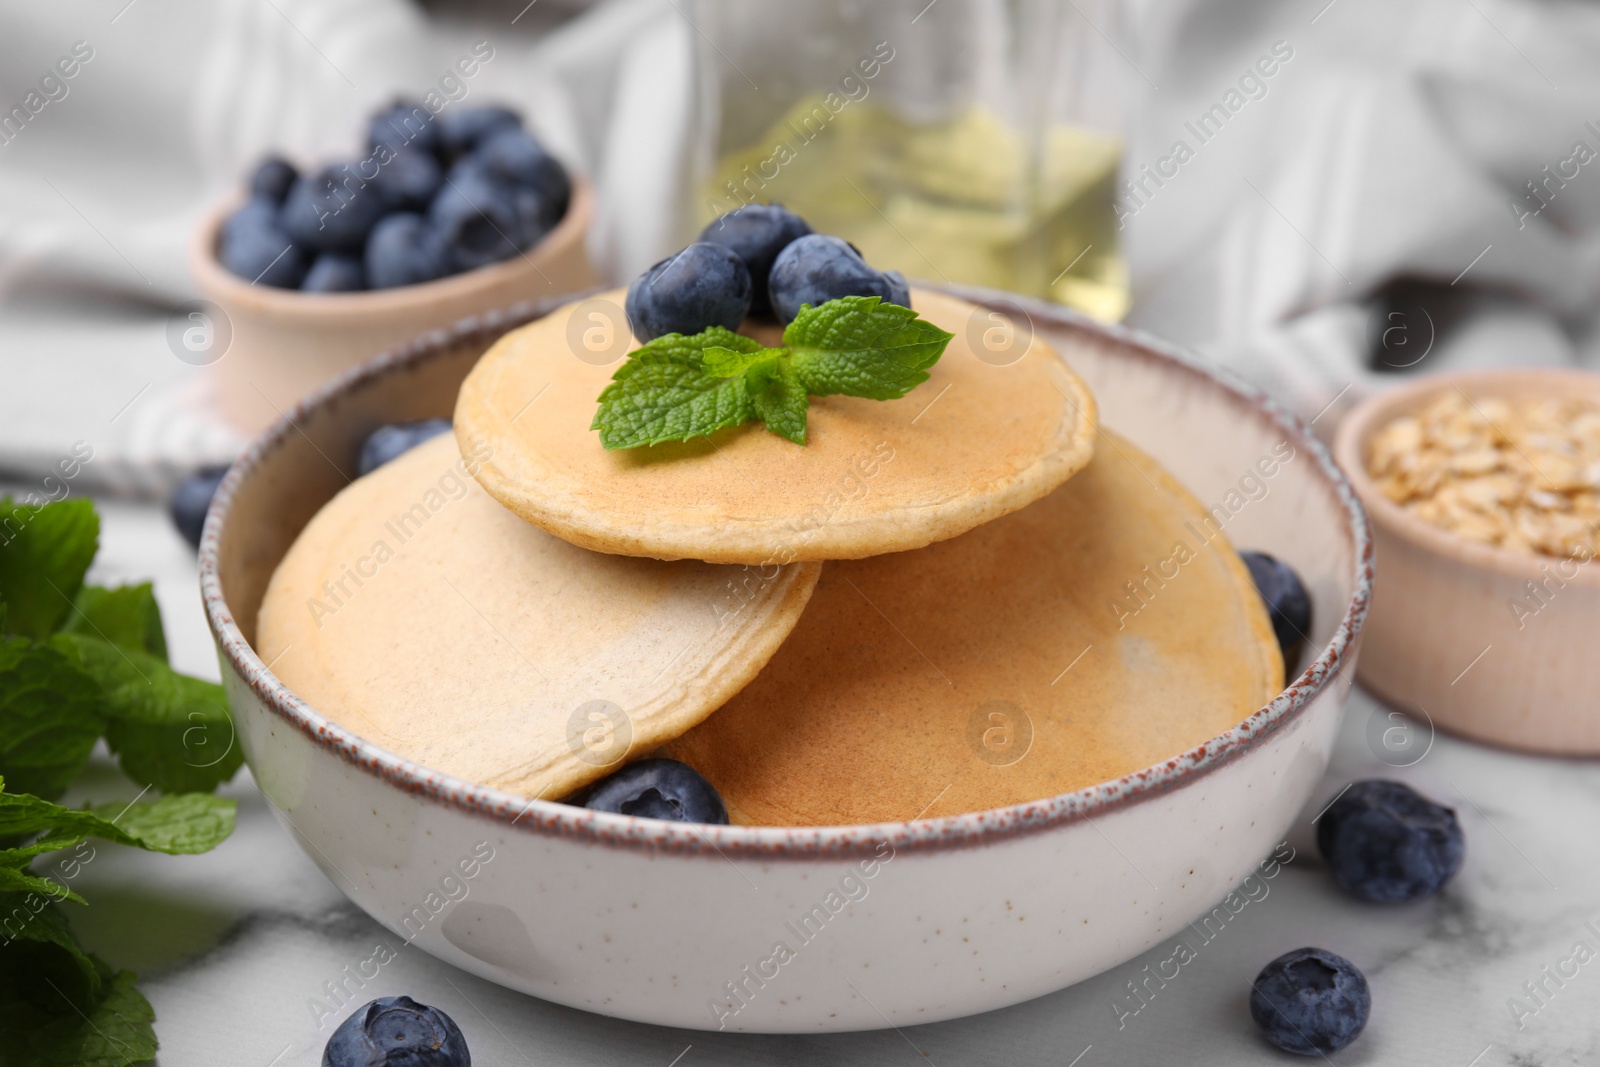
(1392,142)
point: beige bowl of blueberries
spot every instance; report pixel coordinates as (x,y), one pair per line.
(1483,490)
(441,218)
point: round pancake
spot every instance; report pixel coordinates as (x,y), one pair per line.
(1102,630)
(979,439)
(417,612)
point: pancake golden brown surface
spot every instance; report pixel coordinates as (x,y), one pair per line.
(417,612)
(979,439)
(1006,665)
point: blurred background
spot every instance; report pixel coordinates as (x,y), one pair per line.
(1320,194)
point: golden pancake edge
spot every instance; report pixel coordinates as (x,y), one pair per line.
(418,613)
(1101,630)
(979,439)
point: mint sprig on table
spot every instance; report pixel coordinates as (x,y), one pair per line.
(678,387)
(79,663)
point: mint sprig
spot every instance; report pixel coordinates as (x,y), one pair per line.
(79,662)
(87,1015)
(676,387)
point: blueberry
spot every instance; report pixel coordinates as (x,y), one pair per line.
(404,124)
(388,442)
(271,179)
(818,268)
(467,169)
(462,129)
(659,789)
(704,285)
(1310,1001)
(478,218)
(1287,601)
(1384,842)
(405,249)
(899,289)
(256,212)
(332,209)
(254,247)
(512,155)
(335,272)
(408,181)
(535,215)
(757,233)
(397,1032)
(192,499)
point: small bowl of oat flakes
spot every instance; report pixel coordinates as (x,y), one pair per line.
(1483,489)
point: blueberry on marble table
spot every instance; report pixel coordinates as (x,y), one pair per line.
(388,442)
(817,268)
(659,789)
(1287,601)
(397,1032)
(1384,842)
(705,285)
(1310,1001)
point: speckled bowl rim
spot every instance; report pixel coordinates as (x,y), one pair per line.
(972,829)
(1362,420)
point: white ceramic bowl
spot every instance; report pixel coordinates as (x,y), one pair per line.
(881,925)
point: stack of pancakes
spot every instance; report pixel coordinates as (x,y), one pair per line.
(971,597)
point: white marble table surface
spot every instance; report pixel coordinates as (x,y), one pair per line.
(233,945)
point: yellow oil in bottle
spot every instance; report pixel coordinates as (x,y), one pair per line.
(963,201)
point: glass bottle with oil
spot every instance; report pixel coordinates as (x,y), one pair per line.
(959,141)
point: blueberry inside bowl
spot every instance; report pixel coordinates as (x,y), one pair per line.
(315,265)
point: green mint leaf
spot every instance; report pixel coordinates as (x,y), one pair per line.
(662,393)
(778,399)
(676,348)
(679,387)
(776,396)
(44,552)
(50,717)
(21,880)
(15,875)
(22,855)
(127,616)
(181,824)
(116,1031)
(168,730)
(121,1029)
(728,363)
(34,932)
(860,346)
(192,756)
